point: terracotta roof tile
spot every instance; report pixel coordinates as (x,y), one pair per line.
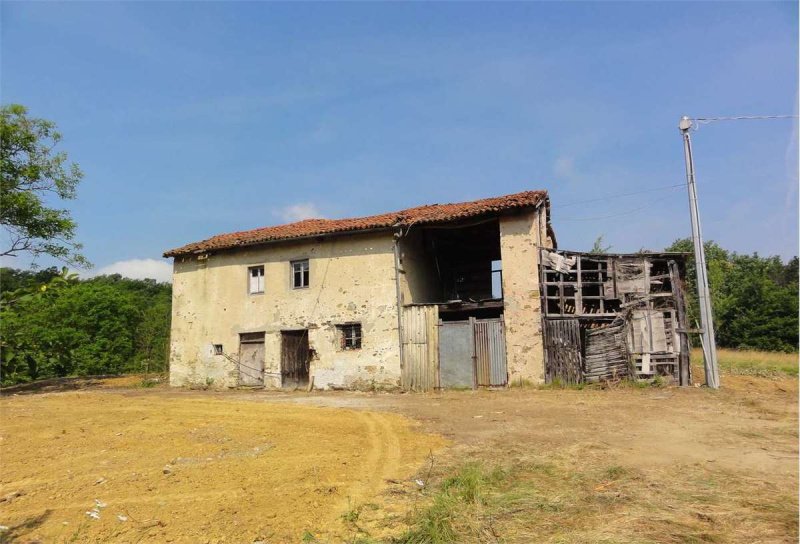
(431,213)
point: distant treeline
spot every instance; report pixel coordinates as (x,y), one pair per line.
(755,299)
(53,324)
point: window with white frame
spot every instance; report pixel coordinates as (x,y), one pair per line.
(255,276)
(349,336)
(300,275)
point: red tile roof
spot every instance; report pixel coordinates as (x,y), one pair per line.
(432,213)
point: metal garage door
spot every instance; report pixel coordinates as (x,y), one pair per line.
(456,354)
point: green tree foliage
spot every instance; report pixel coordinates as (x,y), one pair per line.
(599,246)
(32,176)
(755,299)
(69,327)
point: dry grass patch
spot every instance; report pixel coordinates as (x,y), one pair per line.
(752,363)
(569,498)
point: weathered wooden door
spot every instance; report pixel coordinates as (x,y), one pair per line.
(490,352)
(251,359)
(294,358)
(562,339)
(420,352)
(456,354)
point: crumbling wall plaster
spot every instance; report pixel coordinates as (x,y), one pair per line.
(352,279)
(520,237)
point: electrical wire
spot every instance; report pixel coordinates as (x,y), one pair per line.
(743,118)
(621,214)
(609,197)
(707,120)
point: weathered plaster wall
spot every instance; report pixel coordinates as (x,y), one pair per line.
(419,280)
(520,236)
(352,278)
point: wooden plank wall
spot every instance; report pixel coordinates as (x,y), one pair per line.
(563,358)
(420,348)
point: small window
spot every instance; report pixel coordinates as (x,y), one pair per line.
(218,349)
(300,274)
(255,275)
(497,279)
(350,336)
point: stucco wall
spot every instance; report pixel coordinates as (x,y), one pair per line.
(352,278)
(519,248)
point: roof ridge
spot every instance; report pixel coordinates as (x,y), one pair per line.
(425,213)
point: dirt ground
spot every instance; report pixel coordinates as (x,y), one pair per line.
(617,465)
(170,467)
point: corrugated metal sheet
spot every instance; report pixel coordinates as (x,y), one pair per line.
(420,348)
(490,352)
(456,354)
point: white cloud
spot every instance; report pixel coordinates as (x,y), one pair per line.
(564,167)
(138,269)
(300,211)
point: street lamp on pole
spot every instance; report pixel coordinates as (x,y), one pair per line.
(703,296)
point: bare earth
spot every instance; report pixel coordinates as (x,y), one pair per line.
(699,465)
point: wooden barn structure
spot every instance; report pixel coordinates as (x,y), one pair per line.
(612,316)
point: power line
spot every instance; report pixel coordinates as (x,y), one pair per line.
(609,197)
(744,118)
(620,214)
(707,120)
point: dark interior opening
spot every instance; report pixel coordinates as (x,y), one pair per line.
(461,314)
(466,259)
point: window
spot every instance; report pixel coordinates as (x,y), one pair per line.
(350,336)
(497,279)
(255,275)
(300,274)
(218,349)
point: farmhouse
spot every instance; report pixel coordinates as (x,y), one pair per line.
(446,295)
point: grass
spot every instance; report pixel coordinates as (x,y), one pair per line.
(556,500)
(753,363)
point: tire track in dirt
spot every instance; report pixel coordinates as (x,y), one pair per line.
(324,463)
(383,458)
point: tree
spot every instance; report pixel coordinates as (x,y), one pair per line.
(31,175)
(598,246)
(65,326)
(754,298)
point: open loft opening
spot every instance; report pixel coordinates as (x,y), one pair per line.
(455,265)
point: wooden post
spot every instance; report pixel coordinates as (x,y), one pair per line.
(684,366)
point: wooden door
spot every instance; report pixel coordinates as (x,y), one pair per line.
(251,359)
(563,346)
(295,358)
(420,348)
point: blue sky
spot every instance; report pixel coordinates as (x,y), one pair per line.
(192,119)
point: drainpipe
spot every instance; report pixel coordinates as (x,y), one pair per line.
(397,236)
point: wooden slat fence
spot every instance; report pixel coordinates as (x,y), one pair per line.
(563,351)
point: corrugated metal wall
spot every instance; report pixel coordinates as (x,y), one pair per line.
(456,354)
(420,348)
(490,352)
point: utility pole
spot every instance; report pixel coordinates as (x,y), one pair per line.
(703,297)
